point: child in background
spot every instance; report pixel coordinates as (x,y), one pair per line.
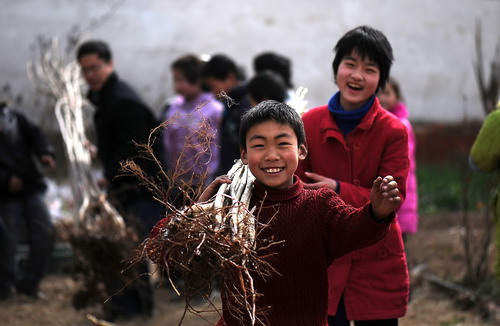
(221,74)
(266,85)
(315,225)
(281,65)
(391,99)
(352,140)
(191,109)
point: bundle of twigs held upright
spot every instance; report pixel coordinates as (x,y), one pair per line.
(215,240)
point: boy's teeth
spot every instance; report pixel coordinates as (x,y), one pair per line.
(273,170)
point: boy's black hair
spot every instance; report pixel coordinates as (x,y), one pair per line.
(274,62)
(272,111)
(100,48)
(267,85)
(367,42)
(219,67)
(191,67)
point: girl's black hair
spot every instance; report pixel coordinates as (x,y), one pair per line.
(191,67)
(272,111)
(367,42)
(219,67)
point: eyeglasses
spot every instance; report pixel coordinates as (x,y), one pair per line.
(92,69)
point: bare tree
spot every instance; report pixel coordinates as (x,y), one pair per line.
(97,232)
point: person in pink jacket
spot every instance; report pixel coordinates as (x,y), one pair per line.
(391,100)
(351,140)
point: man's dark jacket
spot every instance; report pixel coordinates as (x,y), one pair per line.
(122,118)
(20,142)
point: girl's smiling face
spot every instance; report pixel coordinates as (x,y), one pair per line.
(357,80)
(272,153)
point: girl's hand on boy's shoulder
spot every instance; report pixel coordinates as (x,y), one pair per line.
(212,188)
(385,197)
(319,181)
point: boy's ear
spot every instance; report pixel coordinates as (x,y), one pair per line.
(302,152)
(243,155)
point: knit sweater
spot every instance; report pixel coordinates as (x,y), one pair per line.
(316,226)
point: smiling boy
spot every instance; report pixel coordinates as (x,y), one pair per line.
(316,226)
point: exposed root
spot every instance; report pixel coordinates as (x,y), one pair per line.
(215,242)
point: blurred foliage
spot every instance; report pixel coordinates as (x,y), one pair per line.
(442,187)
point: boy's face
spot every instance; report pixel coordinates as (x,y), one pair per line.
(357,80)
(273,153)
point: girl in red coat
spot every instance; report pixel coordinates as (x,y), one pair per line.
(351,141)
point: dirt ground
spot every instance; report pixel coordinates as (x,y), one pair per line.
(436,245)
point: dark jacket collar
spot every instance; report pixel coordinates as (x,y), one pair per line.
(96,96)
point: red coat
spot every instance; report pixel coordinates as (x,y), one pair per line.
(375,279)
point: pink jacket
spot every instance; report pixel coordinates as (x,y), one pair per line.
(374,280)
(408,213)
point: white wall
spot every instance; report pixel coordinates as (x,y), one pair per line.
(433,41)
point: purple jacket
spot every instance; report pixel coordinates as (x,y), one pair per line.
(408,213)
(181,139)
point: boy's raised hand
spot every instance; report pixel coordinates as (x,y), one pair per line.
(384,197)
(212,188)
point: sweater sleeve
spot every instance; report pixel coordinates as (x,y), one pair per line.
(350,228)
(154,245)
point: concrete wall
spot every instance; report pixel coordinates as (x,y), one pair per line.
(433,42)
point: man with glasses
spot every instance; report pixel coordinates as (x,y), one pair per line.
(121,120)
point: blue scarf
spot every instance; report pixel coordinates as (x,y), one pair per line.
(348,120)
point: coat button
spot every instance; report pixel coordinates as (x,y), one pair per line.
(356,145)
(382,253)
(356,182)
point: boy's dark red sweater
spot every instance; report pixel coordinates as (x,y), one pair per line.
(316,227)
